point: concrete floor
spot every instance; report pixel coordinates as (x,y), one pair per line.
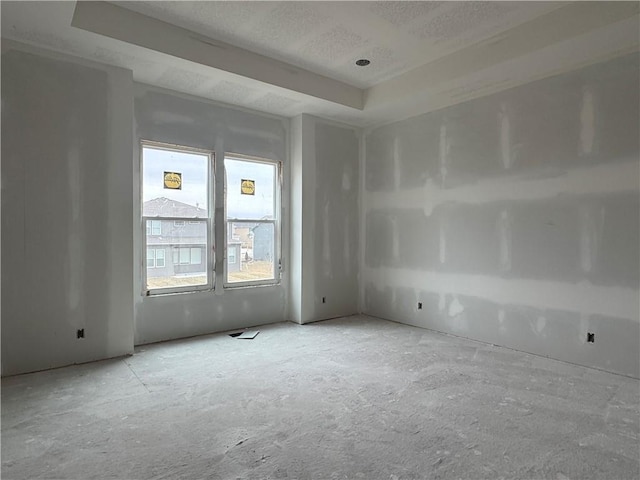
(347,398)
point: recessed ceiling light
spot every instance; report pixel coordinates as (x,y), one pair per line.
(363,62)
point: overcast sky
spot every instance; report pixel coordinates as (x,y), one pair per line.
(194,168)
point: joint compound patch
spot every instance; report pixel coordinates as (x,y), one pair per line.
(455,308)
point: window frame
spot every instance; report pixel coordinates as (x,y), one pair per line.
(155,257)
(209,221)
(150,229)
(276,222)
(164,257)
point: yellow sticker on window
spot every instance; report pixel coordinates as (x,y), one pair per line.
(248,187)
(173,180)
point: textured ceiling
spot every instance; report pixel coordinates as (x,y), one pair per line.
(400,39)
(328,37)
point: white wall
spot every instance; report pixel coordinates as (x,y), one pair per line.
(514,218)
(169,117)
(325,233)
(66,210)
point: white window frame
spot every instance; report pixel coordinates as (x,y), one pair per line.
(209,221)
(191,249)
(150,229)
(277,223)
(153,265)
(155,258)
(164,257)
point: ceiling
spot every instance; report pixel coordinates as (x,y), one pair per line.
(289,58)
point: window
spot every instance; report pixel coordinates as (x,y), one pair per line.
(196,256)
(154,227)
(155,258)
(151,258)
(252,199)
(187,256)
(160,258)
(177,212)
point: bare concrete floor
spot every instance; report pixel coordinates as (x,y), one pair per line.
(347,398)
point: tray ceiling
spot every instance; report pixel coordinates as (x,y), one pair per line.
(289,58)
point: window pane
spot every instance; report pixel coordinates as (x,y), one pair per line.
(177,243)
(174,183)
(150,258)
(196,256)
(259,205)
(251,258)
(160,258)
(156,227)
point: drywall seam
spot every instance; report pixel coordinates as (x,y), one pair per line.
(308,218)
(362,218)
(599,179)
(582,297)
(296,265)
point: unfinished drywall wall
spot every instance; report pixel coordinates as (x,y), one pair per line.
(66,210)
(325,233)
(514,218)
(336,220)
(169,117)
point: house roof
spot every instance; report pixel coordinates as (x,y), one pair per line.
(166,207)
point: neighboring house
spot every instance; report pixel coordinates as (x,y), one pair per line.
(234,258)
(242,233)
(263,242)
(240,237)
(175,247)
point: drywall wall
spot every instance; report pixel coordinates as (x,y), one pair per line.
(169,117)
(66,210)
(302,182)
(514,219)
(325,228)
(336,217)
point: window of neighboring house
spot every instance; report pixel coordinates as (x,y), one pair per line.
(155,258)
(252,220)
(177,184)
(151,258)
(154,227)
(196,255)
(184,256)
(160,258)
(187,256)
